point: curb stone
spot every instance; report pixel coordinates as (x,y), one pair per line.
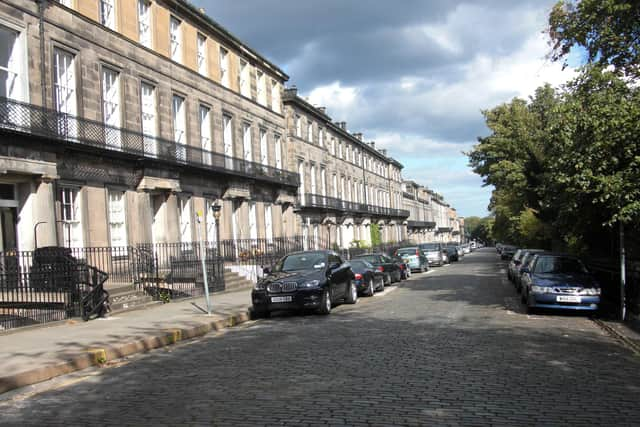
(99,355)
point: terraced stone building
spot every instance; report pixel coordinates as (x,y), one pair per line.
(121,120)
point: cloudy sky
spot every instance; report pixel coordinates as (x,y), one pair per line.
(411,75)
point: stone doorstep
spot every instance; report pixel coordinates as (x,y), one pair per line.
(99,355)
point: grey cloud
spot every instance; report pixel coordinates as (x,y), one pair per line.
(355,41)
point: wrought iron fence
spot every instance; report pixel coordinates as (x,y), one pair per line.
(34,120)
(177,268)
(47,285)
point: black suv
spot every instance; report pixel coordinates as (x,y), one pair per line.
(304,280)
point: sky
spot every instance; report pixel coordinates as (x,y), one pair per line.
(413,76)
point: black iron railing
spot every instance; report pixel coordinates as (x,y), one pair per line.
(317,201)
(34,120)
(421,224)
(48,284)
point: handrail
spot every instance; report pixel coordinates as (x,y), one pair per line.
(95,303)
(40,121)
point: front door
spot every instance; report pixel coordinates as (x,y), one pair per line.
(8,229)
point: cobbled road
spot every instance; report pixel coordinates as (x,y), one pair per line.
(451,347)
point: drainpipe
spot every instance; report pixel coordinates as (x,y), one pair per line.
(43,80)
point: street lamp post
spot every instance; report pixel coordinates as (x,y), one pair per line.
(215,208)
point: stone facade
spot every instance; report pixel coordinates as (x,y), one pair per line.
(346,184)
(431,219)
(76,192)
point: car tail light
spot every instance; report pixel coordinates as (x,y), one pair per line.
(417,252)
(358,276)
(380,268)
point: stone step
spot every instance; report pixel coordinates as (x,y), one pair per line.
(131,307)
(129,302)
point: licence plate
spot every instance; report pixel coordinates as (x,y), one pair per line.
(568,298)
(288,298)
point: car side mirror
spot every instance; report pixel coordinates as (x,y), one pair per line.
(266,270)
(334,266)
(525,270)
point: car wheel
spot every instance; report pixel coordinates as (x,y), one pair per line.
(387,279)
(381,284)
(370,288)
(352,294)
(325,303)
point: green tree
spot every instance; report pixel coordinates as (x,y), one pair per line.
(609,31)
(513,159)
(595,170)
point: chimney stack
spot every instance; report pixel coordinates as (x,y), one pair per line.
(343,125)
(373,144)
(323,110)
(383,151)
(293,90)
(358,135)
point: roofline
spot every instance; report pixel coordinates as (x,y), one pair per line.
(296,99)
(194,13)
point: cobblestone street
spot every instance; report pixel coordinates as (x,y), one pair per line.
(451,347)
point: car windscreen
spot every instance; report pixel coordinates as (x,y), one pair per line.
(369,258)
(303,261)
(430,247)
(558,265)
(360,264)
(407,251)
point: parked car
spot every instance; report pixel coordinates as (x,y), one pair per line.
(435,253)
(513,270)
(404,266)
(414,258)
(460,251)
(466,248)
(507,252)
(526,257)
(386,265)
(452,253)
(514,264)
(559,281)
(304,280)
(368,279)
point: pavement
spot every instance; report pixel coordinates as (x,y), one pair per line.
(37,354)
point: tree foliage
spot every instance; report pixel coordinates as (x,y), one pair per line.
(479,229)
(565,162)
(609,31)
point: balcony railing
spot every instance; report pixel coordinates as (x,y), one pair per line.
(34,120)
(421,224)
(407,195)
(316,201)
